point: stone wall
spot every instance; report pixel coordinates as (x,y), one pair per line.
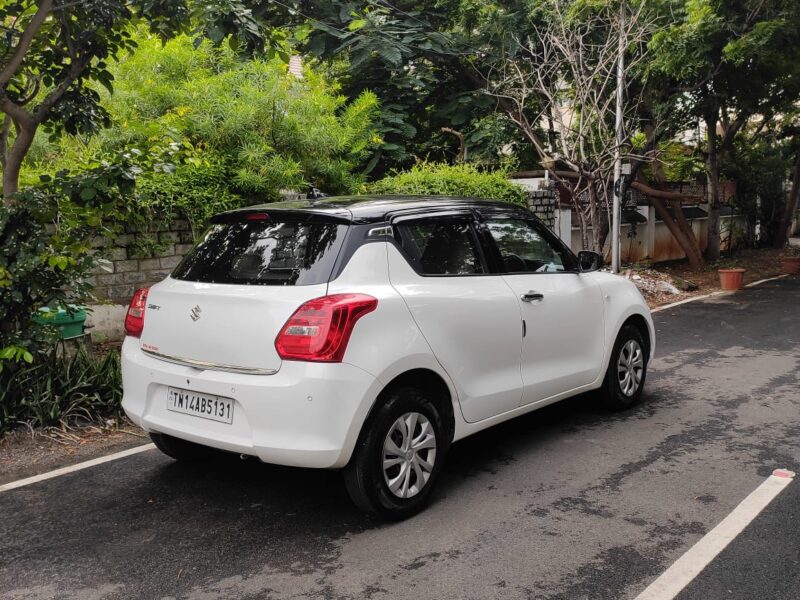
(542,198)
(543,204)
(118,277)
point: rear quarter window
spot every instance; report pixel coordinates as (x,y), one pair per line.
(265,252)
(442,246)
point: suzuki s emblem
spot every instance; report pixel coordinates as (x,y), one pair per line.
(195,314)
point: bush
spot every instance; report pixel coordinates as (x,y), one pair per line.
(195,191)
(451,180)
(61,390)
(37,268)
(239,131)
(48,237)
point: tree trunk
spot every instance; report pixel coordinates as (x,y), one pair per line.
(594,218)
(576,206)
(687,239)
(13,163)
(605,224)
(676,222)
(462,144)
(604,231)
(782,232)
(678,226)
(688,244)
(638,184)
(712,167)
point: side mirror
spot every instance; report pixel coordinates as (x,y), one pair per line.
(589,261)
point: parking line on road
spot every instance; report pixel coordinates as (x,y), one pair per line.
(760,281)
(77,467)
(685,301)
(697,558)
(712,294)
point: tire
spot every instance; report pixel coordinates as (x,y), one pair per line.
(181,450)
(620,392)
(365,479)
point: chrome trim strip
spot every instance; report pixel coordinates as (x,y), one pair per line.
(204,365)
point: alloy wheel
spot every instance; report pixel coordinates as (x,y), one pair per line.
(409,454)
(630,367)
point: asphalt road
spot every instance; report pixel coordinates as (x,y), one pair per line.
(569,502)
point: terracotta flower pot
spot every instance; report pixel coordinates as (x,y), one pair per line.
(791,265)
(731,279)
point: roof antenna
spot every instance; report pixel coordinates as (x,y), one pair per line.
(315,194)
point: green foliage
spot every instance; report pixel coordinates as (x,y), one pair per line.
(196,191)
(70,53)
(60,390)
(425,61)
(451,180)
(38,268)
(735,54)
(759,168)
(266,128)
(677,162)
(47,241)
(233,131)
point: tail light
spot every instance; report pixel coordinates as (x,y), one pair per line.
(134,320)
(319,330)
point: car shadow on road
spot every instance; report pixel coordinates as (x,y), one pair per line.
(318,498)
(178,526)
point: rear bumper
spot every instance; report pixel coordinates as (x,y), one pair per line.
(305,415)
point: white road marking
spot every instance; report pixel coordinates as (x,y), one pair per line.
(72,468)
(688,566)
(712,294)
(685,301)
(766,280)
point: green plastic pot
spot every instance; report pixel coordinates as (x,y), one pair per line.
(69,325)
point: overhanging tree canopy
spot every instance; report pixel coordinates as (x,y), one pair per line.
(51,51)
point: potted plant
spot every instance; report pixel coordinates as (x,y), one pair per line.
(790,262)
(731,279)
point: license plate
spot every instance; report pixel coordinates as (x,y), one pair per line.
(205,406)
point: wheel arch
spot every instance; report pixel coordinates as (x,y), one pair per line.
(424,379)
(638,321)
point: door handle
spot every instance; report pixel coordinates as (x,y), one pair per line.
(532,297)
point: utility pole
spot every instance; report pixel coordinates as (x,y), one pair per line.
(616,214)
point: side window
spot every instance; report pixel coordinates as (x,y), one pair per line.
(442,246)
(526,248)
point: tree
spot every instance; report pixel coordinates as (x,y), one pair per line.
(563,75)
(762,156)
(730,61)
(791,132)
(428,64)
(52,51)
(417,57)
(721,61)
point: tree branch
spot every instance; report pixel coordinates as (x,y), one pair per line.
(640,186)
(462,144)
(16,112)
(25,41)
(75,70)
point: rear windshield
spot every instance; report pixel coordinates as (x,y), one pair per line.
(266,252)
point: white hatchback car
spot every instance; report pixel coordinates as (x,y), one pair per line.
(369,333)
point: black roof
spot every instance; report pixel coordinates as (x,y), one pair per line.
(376,208)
